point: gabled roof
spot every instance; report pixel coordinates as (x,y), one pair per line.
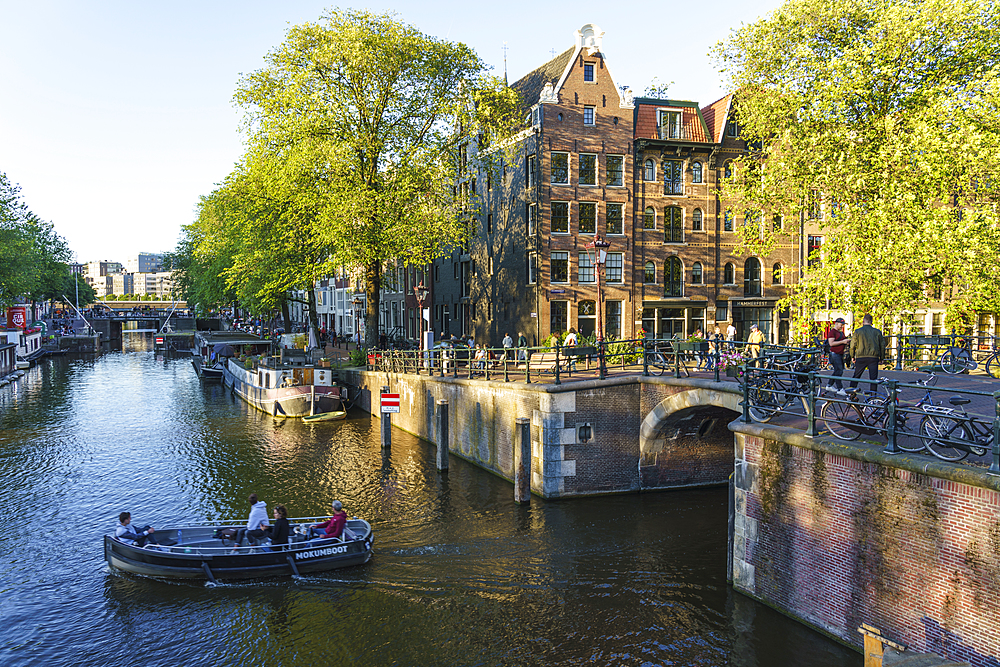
(646,124)
(715,115)
(530,85)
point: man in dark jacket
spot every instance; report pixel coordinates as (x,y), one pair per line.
(867,348)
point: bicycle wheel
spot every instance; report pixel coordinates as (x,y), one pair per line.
(993,367)
(659,364)
(763,399)
(952,362)
(934,429)
(905,440)
(838,417)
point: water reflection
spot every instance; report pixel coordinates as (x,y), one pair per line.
(461,575)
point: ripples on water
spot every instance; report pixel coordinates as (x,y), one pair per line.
(461,575)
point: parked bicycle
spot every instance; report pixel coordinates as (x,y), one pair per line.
(773,392)
(660,356)
(849,419)
(958,359)
(951,434)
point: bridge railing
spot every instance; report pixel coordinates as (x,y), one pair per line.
(936,424)
(554,363)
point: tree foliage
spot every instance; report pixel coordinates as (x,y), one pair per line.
(33,258)
(880,120)
(355,123)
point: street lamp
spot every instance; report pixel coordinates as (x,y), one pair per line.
(421,293)
(599,253)
(358,304)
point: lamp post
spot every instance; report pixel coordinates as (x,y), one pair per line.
(599,253)
(421,293)
(358,304)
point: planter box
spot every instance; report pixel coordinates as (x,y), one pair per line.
(692,346)
(732,371)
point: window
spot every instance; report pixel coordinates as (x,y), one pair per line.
(588,115)
(670,125)
(732,129)
(649,273)
(588,169)
(529,171)
(613,320)
(696,220)
(613,267)
(532,219)
(616,170)
(728,170)
(776,274)
(532,268)
(649,218)
(673,230)
(649,171)
(560,217)
(696,277)
(721,311)
(696,173)
(560,167)
(779,223)
(586,272)
(560,267)
(614,218)
(588,71)
(673,277)
(814,247)
(752,282)
(727,221)
(558,311)
(586,318)
(588,217)
(729,274)
(673,177)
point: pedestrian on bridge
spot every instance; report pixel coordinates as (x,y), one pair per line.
(868,349)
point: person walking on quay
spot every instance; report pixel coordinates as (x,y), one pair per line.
(731,335)
(714,347)
(522,347)
(837,342)
(754,341)
(508,347)
(867,349)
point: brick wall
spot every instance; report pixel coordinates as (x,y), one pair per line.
(842,535)
(564,461)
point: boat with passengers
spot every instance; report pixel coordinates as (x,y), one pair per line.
(202,551)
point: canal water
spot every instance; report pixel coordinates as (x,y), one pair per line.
(460,576)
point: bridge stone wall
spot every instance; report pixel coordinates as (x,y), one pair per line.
(837,535)
(564,464)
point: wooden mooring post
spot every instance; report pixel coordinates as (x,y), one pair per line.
(442,429)
(522,461)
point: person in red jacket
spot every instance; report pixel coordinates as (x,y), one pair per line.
(332,527)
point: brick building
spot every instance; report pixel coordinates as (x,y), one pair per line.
(641,174)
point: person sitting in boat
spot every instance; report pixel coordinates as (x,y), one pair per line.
(333,526)
(279,531)
(127,533)
(256,523)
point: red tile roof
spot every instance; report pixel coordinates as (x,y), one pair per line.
(715,117)
(646,125)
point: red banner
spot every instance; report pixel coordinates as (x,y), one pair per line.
(17,317)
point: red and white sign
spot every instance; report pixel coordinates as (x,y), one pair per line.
(390,402)
(17,317)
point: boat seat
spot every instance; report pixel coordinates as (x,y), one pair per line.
(959,400)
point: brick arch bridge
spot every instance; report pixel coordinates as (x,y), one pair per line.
(684,439)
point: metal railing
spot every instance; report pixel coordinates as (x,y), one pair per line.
(927,425)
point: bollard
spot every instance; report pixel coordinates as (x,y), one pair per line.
(522,462)
(442,429)
(891,417)
(386,424)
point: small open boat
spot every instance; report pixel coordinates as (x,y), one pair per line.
(194,552)
(326,416)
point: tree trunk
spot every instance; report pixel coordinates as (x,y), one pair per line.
(373,284)
(286,316)
(313,315)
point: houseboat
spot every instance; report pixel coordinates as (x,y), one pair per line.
(27,344)
(212,349)
(283,385)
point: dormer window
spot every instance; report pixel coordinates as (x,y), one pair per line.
(670,125)
(588,72)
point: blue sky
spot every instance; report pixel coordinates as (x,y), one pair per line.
(116,116)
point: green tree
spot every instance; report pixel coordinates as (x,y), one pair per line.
(355,123)
(879,119)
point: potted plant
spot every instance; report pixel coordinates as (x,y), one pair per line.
(731,361)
